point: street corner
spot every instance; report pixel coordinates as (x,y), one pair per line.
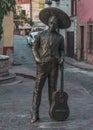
(23,71)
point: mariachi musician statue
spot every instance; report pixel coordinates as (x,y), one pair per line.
(48,52)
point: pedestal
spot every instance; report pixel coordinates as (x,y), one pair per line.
(4,64)
(5,76)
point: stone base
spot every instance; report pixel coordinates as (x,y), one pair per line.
(8,78)
(15,81)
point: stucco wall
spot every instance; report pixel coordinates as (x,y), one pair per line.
(37,5)
(85,15)
(8,27)
(85,10)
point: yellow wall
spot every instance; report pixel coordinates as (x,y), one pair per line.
(37,5)
(8,28)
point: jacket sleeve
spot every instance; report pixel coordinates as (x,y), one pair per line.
(61,47)
(35,49)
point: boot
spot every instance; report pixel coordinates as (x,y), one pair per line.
(34,116)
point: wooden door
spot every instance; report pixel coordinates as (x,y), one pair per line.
(70,44)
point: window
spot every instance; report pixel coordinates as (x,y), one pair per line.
(24,12)
(73,8)
(90,37)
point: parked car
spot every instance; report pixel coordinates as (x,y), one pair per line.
(31,38)
(37,29)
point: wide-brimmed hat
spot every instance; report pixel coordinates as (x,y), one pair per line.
(63,18)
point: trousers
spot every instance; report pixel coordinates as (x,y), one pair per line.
(44,71)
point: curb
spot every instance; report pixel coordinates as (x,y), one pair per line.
(79,66)
(25,75)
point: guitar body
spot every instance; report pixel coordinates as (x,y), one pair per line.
(59,109)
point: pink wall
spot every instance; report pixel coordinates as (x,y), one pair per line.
(85,10)
(84,15)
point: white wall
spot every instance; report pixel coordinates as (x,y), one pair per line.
(65,5)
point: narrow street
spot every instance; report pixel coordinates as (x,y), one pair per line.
(23,55)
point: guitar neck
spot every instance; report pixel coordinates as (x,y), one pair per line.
(62,78)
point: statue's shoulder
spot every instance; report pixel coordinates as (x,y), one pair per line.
(42,32)
(60,35)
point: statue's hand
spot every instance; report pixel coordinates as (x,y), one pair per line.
(60,60)
(38,61)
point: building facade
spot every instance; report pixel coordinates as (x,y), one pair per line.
(23,6)
(31,9)
(85,31)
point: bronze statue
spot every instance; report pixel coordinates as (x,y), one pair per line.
(48,52)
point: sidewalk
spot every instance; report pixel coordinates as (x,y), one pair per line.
(24,71)
(79,64)
(15,104)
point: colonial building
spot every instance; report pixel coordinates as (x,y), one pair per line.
(85,30)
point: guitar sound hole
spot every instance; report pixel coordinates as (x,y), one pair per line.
(61,100)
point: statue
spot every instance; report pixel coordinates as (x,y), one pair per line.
(48,52)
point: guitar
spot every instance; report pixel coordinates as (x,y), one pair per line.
(59,109)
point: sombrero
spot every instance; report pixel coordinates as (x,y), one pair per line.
(63,18)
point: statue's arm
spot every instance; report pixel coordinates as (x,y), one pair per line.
(61,50)
(61,47)
(35,49)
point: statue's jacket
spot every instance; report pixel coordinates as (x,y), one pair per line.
(48,46)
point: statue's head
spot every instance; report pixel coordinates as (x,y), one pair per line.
(53,23)
(47,16)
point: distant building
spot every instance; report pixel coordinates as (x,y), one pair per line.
(37,5)
(85,31)
(23,6)
(30,8)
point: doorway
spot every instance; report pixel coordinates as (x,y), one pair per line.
(82,42)
(70,44)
